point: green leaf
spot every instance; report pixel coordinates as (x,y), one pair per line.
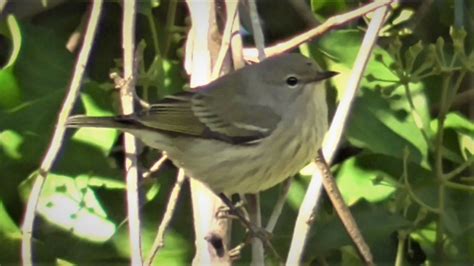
(426,237)
(358,181)
(379,123)
(36,73)
(42,82)
(464,130)
(381,129)
(9,88)
(25,136)
(96,102)
(12,30)
(8,228)
(376,224)
(72,205)
(350,257)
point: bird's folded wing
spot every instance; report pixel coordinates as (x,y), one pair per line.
(173,114)
(201,115)
(234,116)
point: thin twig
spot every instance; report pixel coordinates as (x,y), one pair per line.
(170,207)
(342,210)
(76,37)
(156,166)
(170,20)
(277,210)
(305,219)
(255,217)
(459,169)
(332,139)
(331,23)
(231,8)
(3,4)
(257,30)
(127,93)
(58,136)
(236,39)
(333,136)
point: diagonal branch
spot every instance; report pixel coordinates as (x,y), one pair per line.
(159,241)
(331,23)
(330,144)
(58,136)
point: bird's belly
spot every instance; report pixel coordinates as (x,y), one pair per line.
(249,169)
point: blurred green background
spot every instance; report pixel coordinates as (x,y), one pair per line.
(418,86)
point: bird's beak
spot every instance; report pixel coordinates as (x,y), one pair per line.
(325,75)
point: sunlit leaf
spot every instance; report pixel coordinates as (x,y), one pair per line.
(357,182)
(74,208)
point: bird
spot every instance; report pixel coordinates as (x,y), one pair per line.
(244,132)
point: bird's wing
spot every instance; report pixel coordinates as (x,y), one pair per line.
(231,111)
(205,115)
(173,114)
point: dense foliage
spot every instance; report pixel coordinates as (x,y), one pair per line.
(405,167)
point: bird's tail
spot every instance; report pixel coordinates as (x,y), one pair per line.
(119,122)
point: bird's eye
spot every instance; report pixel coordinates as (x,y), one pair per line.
(292,81)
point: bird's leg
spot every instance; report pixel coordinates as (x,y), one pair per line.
(254,230)
(224,211)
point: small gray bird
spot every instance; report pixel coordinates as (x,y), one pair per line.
(242,133)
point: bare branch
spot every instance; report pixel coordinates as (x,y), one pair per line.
(277,210)
(170,207)
(342,210)
(236,41)
(127,93)
(58,136)
(333,137)
(156,166)
(331,23)
(231,8)
(255,217)
(257,30)
(76,37)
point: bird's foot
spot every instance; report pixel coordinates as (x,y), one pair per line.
(253,230)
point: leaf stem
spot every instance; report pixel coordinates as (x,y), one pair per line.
(399,260)
(154,32)
(170,18)
(408,186)
(459,169)
(463,187)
